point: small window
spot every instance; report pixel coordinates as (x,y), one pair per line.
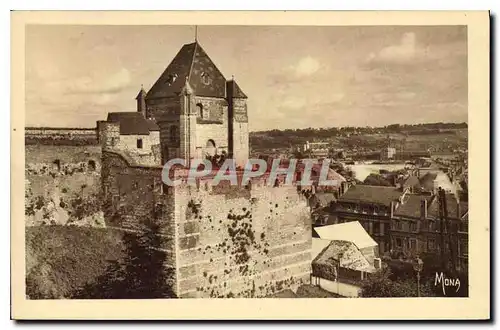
(431,244)
(139,143)
(398,242)
(413,244)
(202,112)
(205,78)
(57,165)
(171,79)
(92,165)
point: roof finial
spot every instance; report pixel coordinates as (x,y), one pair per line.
(232,77)
(196,33)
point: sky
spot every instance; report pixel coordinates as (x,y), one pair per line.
(294,76)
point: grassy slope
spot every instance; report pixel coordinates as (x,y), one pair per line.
(60,259)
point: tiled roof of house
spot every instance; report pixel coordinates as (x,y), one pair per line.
(411,205)
(412,181)
(133,123)
(192,64)
(324,198)
(451,206)
(351,231)
(349,255)
(371,194)
(237,92)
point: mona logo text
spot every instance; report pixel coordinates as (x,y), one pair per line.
(446,282)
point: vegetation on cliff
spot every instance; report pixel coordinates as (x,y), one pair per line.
(93,263)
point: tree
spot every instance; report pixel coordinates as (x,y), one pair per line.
(140,275)
(376,180)
(380,285)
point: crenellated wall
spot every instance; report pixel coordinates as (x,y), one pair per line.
(222,241)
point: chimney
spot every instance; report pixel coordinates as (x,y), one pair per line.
(141,102)
(343,187)
(423,209)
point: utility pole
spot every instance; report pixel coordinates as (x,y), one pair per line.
(441,227)
(446,234)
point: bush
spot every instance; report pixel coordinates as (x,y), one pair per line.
(61,259)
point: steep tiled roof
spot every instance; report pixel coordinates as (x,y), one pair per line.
(451,206)
(351,231)
(411,205)
(193,64)
(237,92)
(133,123)
(371,194)
(412,181)
(349,255)
(141,94)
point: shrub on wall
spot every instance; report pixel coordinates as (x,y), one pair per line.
(82,207)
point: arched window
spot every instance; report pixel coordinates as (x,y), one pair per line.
(199,109)
(205,78)
(210,148)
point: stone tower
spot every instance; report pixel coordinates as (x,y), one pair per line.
(199,112)
(237,123)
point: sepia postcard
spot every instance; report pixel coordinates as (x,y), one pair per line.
(250,165)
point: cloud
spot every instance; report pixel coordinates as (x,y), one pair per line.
(307,103)
(404,51)
(93,85)
(306,67)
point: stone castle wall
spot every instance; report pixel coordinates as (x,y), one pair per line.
(236,242)
(60,136)
(62,183)
(221,241)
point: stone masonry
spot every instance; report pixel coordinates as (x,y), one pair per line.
(221,241)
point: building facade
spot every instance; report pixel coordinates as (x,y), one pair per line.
(388,153)
(405,224)
(131,133)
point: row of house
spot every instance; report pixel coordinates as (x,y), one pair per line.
(404,224)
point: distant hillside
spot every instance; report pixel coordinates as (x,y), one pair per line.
(415,136)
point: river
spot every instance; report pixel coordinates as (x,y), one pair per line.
(361,171)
